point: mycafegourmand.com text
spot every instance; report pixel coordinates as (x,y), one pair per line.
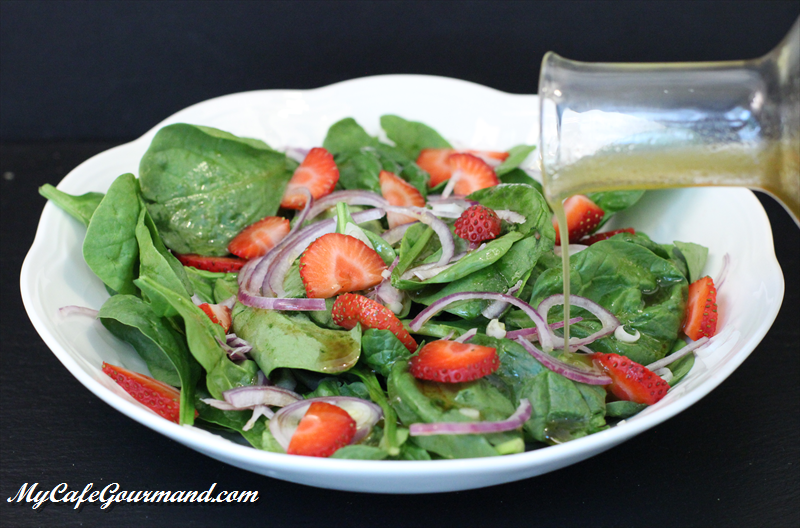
(112,494)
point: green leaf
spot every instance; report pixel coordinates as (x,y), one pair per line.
(347,136)
(360,169)
(203,186)
(360,452)
(410,136)
(110,248)
(380,349)
(259,436)
(80,207)
(695,257)
(516,155)
(158,344)
(523,199)
(623,409)
(612,202)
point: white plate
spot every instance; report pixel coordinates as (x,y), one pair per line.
(726,220)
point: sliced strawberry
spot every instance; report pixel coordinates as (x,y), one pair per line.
(215,264)
(257,239)
(630,380)
(350,309)
(701,310)
(435,162)
(322,430)
(336,263)
(583,216)
(472,172)
(318,173)
(453,362)
(597,237)
(218,314)
(477,223)
(399,192)
(159,397)
(493,158)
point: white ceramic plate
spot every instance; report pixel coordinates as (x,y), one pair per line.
(726,220)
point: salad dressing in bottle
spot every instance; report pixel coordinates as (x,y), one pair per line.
(610,127)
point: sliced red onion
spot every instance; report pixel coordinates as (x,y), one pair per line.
(234,353)
(723,273)
(515,421)
(236,341)
(546,336)
(282,303)
(197,300)
(529,333)
(395,234)
(67,311)
(622,335)
(606,318)
(439,227)
(664,373)
(512,217)
(297,153)
(426,271)
(262,379)
(451,184)
(221,405)
(387,294)
(273,281)
(572,249)
(565,369)
(229,302)
(353,197)
(494,310)
(252,395)
(661,363)
(453,198)
(258,412)
(449,336)
(585,350)
(466,336)
(365,413)
(447,209)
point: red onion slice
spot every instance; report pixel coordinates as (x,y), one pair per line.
(546,335)
(494,310)
(250,396)
(297,153)
(221,405)
(606,318)
(365,413)
(466,336)
(395,234)
(281,303)
(661,363)
(559,367)
(515,421)
(67,311)
(353,197)
(529,333)
(258,412)
(426,271)
(439,227)
(234,353)
(512,217)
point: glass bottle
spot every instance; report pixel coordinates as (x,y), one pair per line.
(611,126)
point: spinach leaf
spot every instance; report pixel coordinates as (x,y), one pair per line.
(623,409)
(380,349)
(285,339)
(614,201)
(259,436)
(359,169)
(337,387)
(201,336)
(347,136)
(360,452)
(411,136)
(203,186)
(516,155)
(695,257)
(523,199)
(520,176)
(392,439)
(161,347)
(80,207)
(110,248)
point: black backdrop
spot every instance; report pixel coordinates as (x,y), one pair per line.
(79,77)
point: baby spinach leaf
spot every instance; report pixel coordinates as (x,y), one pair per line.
(520,176)
(516,155)
(695,257)
(614,201)
(110,248)
(411,136)
(392,439)
(360,452)
(259,436)
(380,349)
(284,339)
(623,409)
(203,186)
(347,136)
(523,199)
(359,169)
(201,336)
(162,348)
(80,207)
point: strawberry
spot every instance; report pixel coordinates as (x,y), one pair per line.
(322,430)
(472,172)
(453,362)
(218,314)
(701,310)
(159,397)
(336,263)
(350,309)
(397,191)
(597,237)
(630,380)
(216,264)
(492,158)
(477,223)
(583,216)
(318,173)
(257,239)
(435,162)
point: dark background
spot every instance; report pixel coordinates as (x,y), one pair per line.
(79,77)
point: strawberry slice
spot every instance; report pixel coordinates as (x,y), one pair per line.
(597,237)
(399,192)
(435,162)
(630,380)
(701,310)
(583,216)
(350,309)
(159,397)
(322,430)
(493,158)
(336,263)
(257,239)
(472,172)
(218,314)
(453,362)
(318,173)
(215,264)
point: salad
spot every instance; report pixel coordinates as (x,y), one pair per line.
(382,300)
